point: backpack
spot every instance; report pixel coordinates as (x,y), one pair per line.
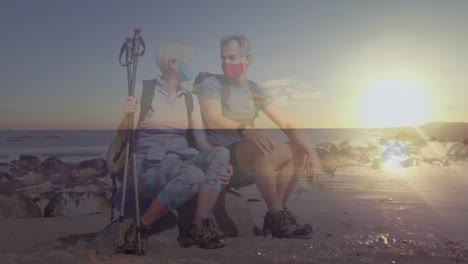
(118,147)
(257,94)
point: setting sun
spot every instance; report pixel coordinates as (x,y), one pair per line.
(395,103)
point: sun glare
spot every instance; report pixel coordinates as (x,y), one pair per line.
(395,103)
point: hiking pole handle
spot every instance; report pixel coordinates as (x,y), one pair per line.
(128,55)
(137,40)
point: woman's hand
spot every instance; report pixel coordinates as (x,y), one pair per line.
(312,166)
(226,178)
(130,105)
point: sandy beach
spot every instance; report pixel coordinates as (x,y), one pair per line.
(415,215)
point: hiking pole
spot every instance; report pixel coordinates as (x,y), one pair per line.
(131,48)
(137,40)
(127,48)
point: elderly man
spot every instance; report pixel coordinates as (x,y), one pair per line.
(229,106)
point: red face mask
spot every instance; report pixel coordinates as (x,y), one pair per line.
(233,71)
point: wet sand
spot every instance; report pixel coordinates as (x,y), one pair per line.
(416,215)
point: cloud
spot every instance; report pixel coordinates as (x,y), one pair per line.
(289,91)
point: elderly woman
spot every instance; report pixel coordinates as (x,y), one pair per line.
(169,171)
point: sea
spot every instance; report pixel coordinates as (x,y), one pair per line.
(74,146)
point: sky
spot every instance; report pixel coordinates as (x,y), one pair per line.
(328,64)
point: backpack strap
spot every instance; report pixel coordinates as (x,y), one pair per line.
(189,133)
(147,97)
(189,105)
(255,90)
(257,96)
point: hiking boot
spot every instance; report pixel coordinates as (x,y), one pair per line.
(130,245)
(205,234)
(291,215)
(283,224)
(307,227)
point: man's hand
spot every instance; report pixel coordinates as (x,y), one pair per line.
(130,105)
(226,178)
(312,166)
(264,142)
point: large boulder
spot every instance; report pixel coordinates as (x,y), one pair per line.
(434,151)
(27,171)
(458,151)
(53,167)
(88,170)
(330,161)
(15,205)
(99,165)
(73,203)
(25,164)
(45,190)
(4,177)
(31,178)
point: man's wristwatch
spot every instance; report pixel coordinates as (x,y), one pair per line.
(241,129)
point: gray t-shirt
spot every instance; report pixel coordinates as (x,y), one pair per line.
(240,106)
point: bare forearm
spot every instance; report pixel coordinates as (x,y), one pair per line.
(201,141)
(228,126)
(123,126)
(298,138)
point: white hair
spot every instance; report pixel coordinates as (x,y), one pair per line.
(180,51)
(241,39)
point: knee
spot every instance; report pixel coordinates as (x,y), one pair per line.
(221,154)
(193,174)
(197,175)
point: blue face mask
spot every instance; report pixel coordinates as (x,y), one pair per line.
(185,72)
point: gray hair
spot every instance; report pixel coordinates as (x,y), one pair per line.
(178,50)
(241,39)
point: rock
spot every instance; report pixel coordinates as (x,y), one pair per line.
(24,165)
(328,147)
(53,166)
(448,162)
(44,190)
(100,165)
(458,151)
(4,177)
(331,161)
(81,176)
(71,204)
(88,170)
(344,146)
(93,186)
(31,178)
(15,205)
(434,151)
(29,159)
(61,177)
(231,213)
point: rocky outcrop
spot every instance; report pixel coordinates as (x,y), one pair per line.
(73,203)
(4,177)
(16,205)
(343,154)
(88,170)
(61,189)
